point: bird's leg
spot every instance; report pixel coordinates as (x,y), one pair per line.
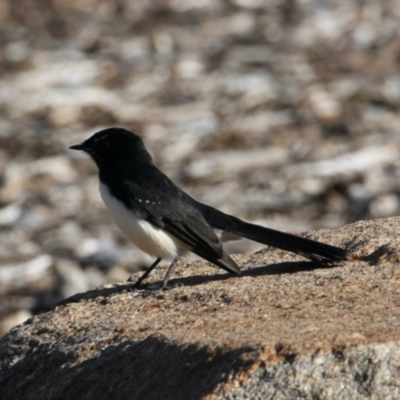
(147,273)
(169,272)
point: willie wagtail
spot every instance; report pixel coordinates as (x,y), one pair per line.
(164,221)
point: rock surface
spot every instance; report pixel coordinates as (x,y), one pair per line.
(285,329)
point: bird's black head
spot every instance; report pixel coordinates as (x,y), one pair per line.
(114,147)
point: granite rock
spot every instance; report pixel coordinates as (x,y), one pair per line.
(285,329)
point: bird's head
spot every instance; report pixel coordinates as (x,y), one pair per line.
(114,147)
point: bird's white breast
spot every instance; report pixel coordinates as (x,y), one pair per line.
(149,238)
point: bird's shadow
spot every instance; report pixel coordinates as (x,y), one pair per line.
(195,280)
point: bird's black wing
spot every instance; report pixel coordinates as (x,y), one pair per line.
(166,206)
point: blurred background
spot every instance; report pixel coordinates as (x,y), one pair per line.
(282,112)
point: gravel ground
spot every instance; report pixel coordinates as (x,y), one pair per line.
(282,112)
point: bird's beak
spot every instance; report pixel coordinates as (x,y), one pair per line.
(77,147)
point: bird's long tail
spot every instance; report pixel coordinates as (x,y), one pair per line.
(307,248)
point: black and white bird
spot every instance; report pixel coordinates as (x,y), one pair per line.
(164,221)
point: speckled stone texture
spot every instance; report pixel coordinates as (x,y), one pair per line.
(285,329)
